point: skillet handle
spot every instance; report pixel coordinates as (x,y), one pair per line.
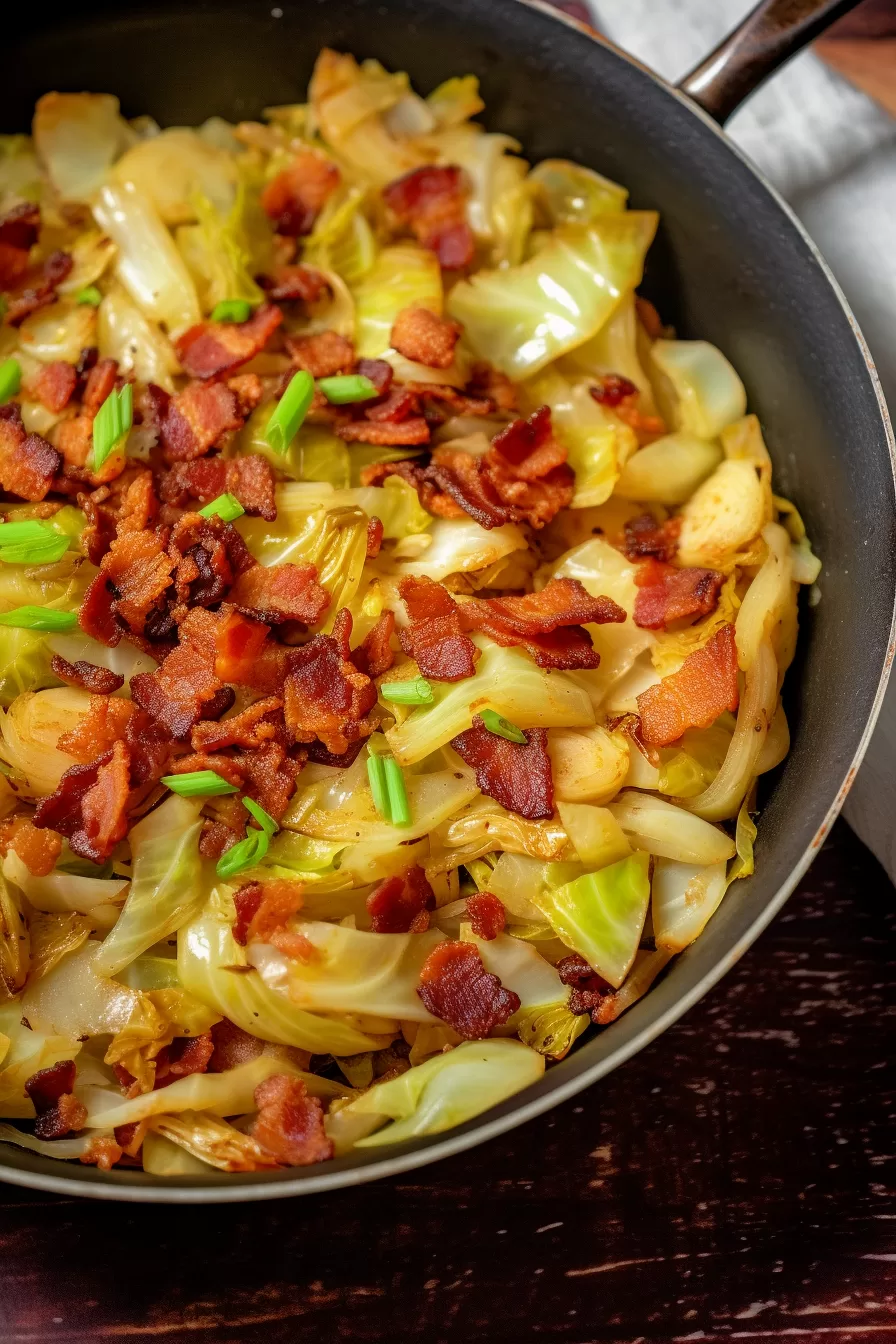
(773,32)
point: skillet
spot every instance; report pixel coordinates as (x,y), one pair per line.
(731,265)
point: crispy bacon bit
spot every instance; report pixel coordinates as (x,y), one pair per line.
(424,337)
(213,349)
(37,849)
(103,807)
(233,1046)
(197,419)
(270,776)
(435,638)
(612,389)
(486,381)
(275,593)
(246,657)
(250,479)
(263,912)
(548,624)
(53,385)
(225,766)
(210,556)
(431,202)
(462,479)
(54,270)
(322,355)
(645,537)
(399,405)
(325,695)
(295,197)
(374,537)
(487,915)
(666,594)
(378,371)
(100,384)
(396,905)
(318,753)
(290,1124)
(216,839)
(694,696)
(246,902)
(176,694)
(150,747)
(291,284)
(456,987)
(27,462)
(385,433)
(256,725)
(139,505)
(134,575)
(74,440)
(375,655)
(587,988)
(516,775)
(103,724)
(18,234)
(86,676)
(58,1111)
(102,1152)
(184,1056)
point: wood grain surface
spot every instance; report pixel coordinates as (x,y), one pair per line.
(733,1182)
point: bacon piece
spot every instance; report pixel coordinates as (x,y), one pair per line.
(290,1124)
(86,676)
(548,624)
(322,355)
(275,593)
(694,696)
(54,270)
(324,694)
(103,1152)
(233,1046)
(295,197)
(184,1056)
(210,556)
(516,774)
(176,694)
(644,537)
(53,385)
(150,747)
(395,906)
(212,349)
(399,405)
(252,728)
(100,384)
(587,988)
(456,987)
(421,335)
(239,645)
(378,371)
(27,462)
(19,228)
(431,202)
(134,576)
(435,638)
(318,753)
(246,903)
(197,419)
(38,849)
(441,402)
(612,389)
(250,479)
(58,1111)
(139,505)
(263,911)
(486,381)
(374,537)
(74,440)
(487,915)
(385,433)
(270,776)
(291,284)
(102,725)
(374,655)
(666,594)
(88,805)
(463,479)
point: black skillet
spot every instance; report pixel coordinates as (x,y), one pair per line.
(731,265)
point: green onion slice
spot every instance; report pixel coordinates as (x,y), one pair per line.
(226,506)
(290,412)
(416,692)
(113,422)
(346,388)
(196,782)
(501,727)
(232,310)
(377,777)
(10,378)
(39,618)
(399,808)
(264,819)
(89,295)
(244,854)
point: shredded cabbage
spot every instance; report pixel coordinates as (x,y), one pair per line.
(685,897)
(663,829)
(78,136)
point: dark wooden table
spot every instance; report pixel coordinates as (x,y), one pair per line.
(730,1183)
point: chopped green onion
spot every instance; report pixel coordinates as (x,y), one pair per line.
(113,422)
(10,378)
(22,529)
(226,506)
(244,854)
(377,777)
(232,310)
(501,727)
(416,692)
(290,412)
(346,388)
(89,295)
(264,819)
(196,782)
(39,618)
(399,809)
(45,550)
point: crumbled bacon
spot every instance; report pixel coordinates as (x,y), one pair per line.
(86,676)
(88,805)
(246,903)
(374,537)
(53,385)
(318,753)
(694,696)
(225,766)
(100,384)
(139,506)
(246,657)
(322,355)
(176,694)
(27,462)
(426,338)
(378,371)
(19,228)
(431,202)
(290,1124)
(270,776)
(134,575)
(216,839)
(486,381)
(401,404)
(516,774)
(214,349)
(263,912)
(644,537)
(251,728)
(58,1111)
(325,695)
(385,433)
(548,624)
(74,440)
(54,270)
(667,594)
(210,556)
(612,389)
(291,284)
(375,655)
(102,1152)
(456,987)
(397,904)
(587,988)
(487,915)
(197,419)
(38,849)
(295,197)
(435,638)
(275,593)
(184,1056)
(233,1046)
(150,747)
(104,723)
(249,479)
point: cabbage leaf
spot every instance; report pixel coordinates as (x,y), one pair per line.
(697,389)
(402,275)
(601,915)
(597,442)
(667,831)
(79,136)
(684,897)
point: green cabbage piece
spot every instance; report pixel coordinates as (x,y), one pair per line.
(219,254)
(25,656)
(167,884)
(342,239)
(315,454)
(78,136)
(600,915)
(597,442)
(455,100)
(522,317)
(697,388)
(401,275)
(20,175)
(669,470)
(140,346)
(685,896)
(744,839)
(572,194)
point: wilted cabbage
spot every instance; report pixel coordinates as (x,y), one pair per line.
(79,136)
(600,915)
(401,276)
(697,389)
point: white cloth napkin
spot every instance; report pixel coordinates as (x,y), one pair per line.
(831,151)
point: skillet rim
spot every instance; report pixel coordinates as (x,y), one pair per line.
(139,1188)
